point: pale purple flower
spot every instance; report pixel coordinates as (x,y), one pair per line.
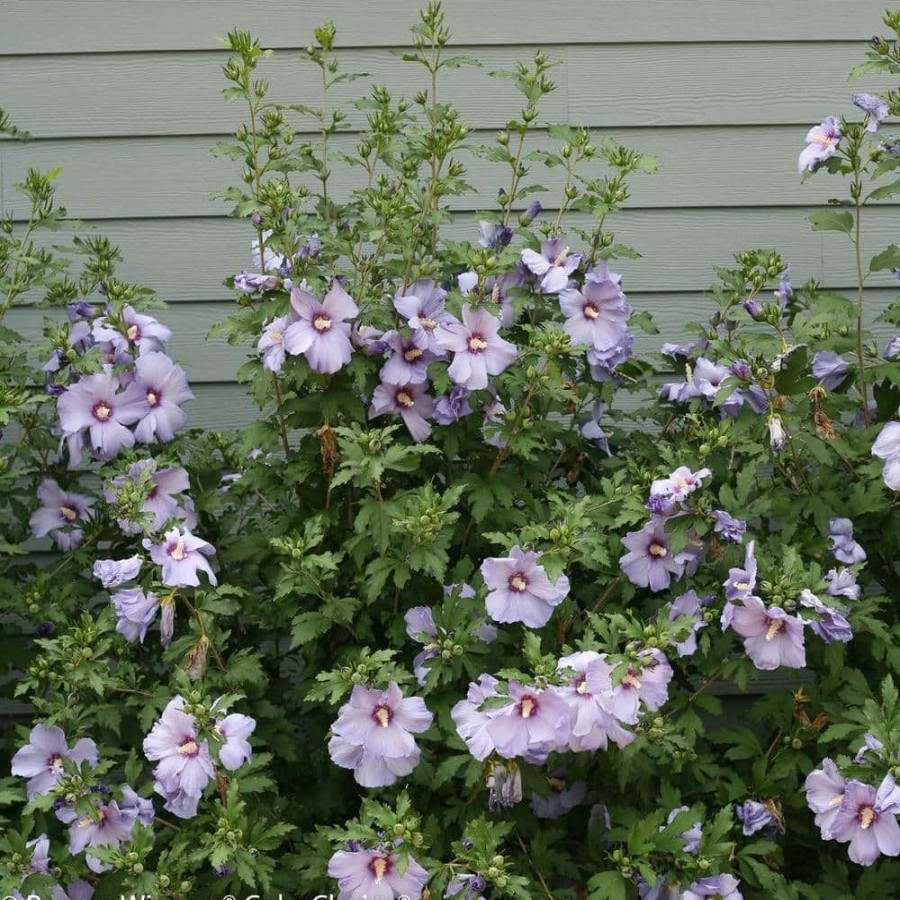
(829,369)
(591,430)
(235,729)
(754,816)
(321,332)
(452,407)
(692,836)
(553,265)
(423,308)
(824,794)
(772,637)
(271,342)
(645,682)
(420,627)
(375,728)
(368,338)
(373,875)
(251,282)
(844,548)
(679,484)
(467,282)
(181,555)
(161,505)
(703,380)
(650,562)
(831,625)
(597,315)
(143,332)
(105,826)
(722,887)
(534,724)
(728,527)
(561,799)
(493,235)
(874,107)
(185,765)
(465,886)
(410,401)
(113,572)
(95,406)
(496,290)
(271,260)
(408,364)
(520,589)
(821,144)
(530,214)
(58,513)
(842,584)
(478,351)
(892,348)
(742,581)
(135,612)
(471,722)
(887,447)
(785,291)
(868,820)
(602,363)
(165,387)
(688,604)
(41,759)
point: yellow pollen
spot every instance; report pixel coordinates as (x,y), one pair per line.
(556,784)
(102,412)
(384,716)
(561,258)
(591,312)
(84,822)
(188,748)
(428,323)
(742,585)
(658,550)
(412,354)
(380,867)
(582,687)
(152,399)
(322,323)
(866,817)
(518,583)
(632,680)
(835,801)
(275,336)
(131,332)
(68,513)
(404,399)
(178,552)
(688,374)
(56,764)
(477,343)
(775,625)
(527,707)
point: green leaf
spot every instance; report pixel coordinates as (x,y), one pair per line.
(307,627)
(887,190)
(607,886)
(889,258)
(832,220)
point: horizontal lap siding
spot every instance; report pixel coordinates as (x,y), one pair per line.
(125,96)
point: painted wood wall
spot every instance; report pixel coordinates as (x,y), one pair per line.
(124,95)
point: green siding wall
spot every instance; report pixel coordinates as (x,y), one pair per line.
(124,95)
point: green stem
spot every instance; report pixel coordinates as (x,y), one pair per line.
(860,279)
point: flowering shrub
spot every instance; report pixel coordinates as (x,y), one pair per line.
(449,619)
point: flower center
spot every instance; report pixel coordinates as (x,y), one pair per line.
(742,585)
(177,552)
(322,323)
(379,866)
(590,311)
(430,324)
(775,625)
(559,260)
(836,800)
(581,685)
(152,398)
(55,762)
(658,550)
(477,343)
(404,399)
(69,514)
(518,582)
(275,336)
(188,748)
(132,332)
(527,707)
(866,817)
(631,680)
(382,715)
(102,411)
(412,354)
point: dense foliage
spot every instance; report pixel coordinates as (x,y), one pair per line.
(470,610)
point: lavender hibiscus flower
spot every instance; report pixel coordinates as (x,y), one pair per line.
(478,351)
(452,407)
(181,556)
(822,141)
(842,584)
(59,512)
(160,505)
(521,590)
(887,447)
(165,387)
(772,638)
(830,624)
(234,731)
(597,315)
(867,818)
(321,332)
(553,265)
(728,527)
(135,612)
(106,825)
(143,332)
(408,364)
(94,405)
(374,729)
(41,760)
(679,484)
(410,401)
(844,548)
(271,342)
(113,572)
(830,369)
(721,887)
(185,765)
(533,725)
(874,107)
(423,308)
(824,794)
(689,604)
(650,562)
(374,875)
(753,816)
(471,721)
(646,682)
(602,363)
